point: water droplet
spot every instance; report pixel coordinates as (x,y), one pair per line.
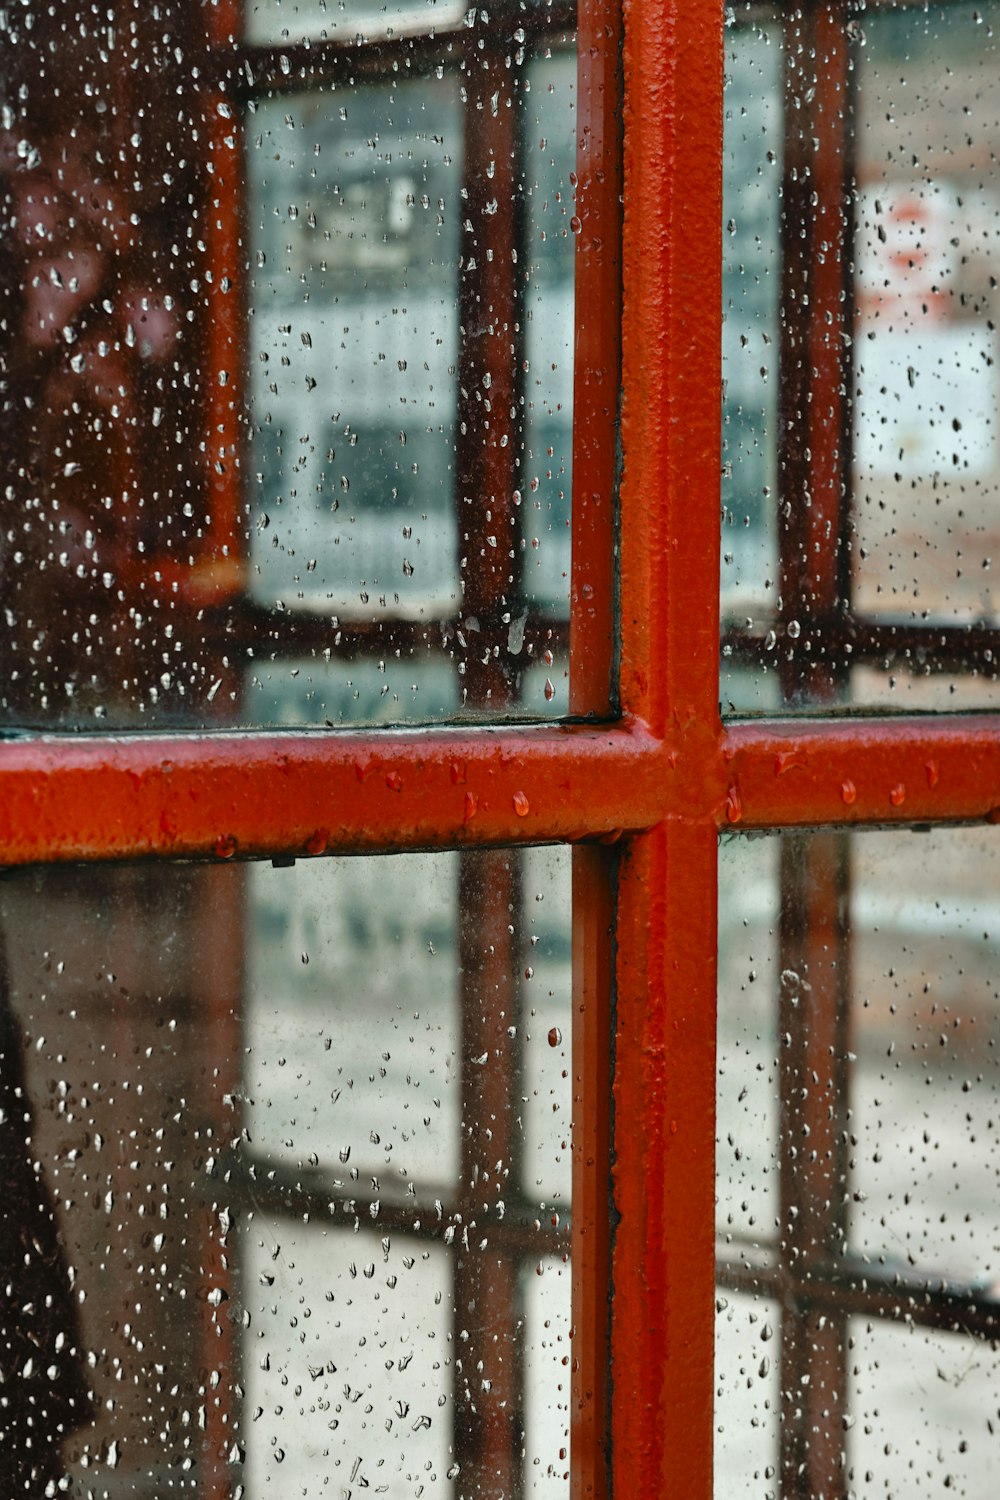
(898,795)
(521,804)
(848,792)
(225,846)
(471,805)
(555,1036)
(734,805)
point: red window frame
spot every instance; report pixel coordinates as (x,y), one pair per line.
(643,791)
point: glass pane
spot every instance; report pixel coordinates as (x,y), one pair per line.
(857,1174)
(288,431)
(297,21)
(288,1167)
(747,1398)
(356,213)
(751,292)
(861,455)
(943,1391)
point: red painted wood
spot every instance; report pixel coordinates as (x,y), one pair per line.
(232,795)
(664,1143)
(901,770)
(593,932)
(597,357)
(671,362)
(664,1165)
(262,794)
(219,568)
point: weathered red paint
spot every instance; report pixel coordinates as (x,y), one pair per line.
(235,795)
(263,794)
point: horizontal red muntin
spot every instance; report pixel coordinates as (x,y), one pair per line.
(792,773)
(257,794)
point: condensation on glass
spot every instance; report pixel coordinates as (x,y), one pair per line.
(861,456)
(857,1181)
(287,1174)
(288,366)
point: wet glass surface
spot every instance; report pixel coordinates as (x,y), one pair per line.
(288,1177)
(356,213)
(861,459)
(293,399)
(299,21)
(858,1097)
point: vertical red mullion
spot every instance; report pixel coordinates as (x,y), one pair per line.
(664,1173)
(596,393)
(817,312)
(488,1328)
(220,571)
(489,415)
(217,935)
(597,357)
(671,363)
(593,919)
(664,1127)
(218,575)
(814,1018)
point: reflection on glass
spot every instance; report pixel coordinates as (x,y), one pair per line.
(294,21)
(861,457)
(356,211)
(297,397)
(291,1200)
(751,289)
(547,467)
(857,1176)
(325,690)
(927,248)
